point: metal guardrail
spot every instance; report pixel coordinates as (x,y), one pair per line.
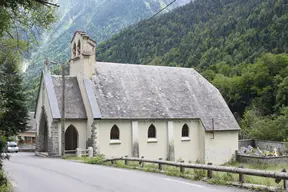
(278,176)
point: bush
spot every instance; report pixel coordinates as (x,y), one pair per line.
(95,160)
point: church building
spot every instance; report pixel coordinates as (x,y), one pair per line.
(136,110)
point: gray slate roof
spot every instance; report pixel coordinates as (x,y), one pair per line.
(126,91)
(74,106)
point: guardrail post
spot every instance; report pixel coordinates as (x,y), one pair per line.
(160,165)
(126,161)
(209,172)
(142,162)
(182,169)
(78,152)
(284,181)
(278,180)
(241,176)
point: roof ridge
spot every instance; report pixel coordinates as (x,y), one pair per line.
(142,65)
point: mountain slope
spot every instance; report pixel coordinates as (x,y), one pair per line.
(99,18)
(203,33)
(238,45)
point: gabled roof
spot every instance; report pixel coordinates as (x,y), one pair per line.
(82,33)
(126,91)
(74,106)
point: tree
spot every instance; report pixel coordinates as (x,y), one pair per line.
(25,19)
(15,117)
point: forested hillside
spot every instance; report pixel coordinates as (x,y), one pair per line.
(238,45)
(99,18)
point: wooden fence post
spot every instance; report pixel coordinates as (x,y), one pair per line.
(284,181)
(160,165)
(126,161)
(182,169)
(241,176)
(142,162)
(209,172)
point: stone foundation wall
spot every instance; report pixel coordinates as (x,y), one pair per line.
(261,160)
(245,143)
(270,145)
(263,145)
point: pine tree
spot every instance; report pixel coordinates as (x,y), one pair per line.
(15,117)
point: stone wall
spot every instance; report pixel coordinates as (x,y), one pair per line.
(261,160)
(53,141)
(263,146)
(246,143)
(270,145)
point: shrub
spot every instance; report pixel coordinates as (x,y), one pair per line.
(98,159)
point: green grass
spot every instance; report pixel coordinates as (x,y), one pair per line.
(255,179)
(219,178)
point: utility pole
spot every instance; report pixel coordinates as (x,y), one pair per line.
(62,108)
(63,113)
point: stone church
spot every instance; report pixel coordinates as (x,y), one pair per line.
(137,110)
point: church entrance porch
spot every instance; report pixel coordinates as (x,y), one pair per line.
(71,138)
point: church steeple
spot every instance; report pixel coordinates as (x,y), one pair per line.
(83,51)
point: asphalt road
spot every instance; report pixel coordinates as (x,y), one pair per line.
(32,174)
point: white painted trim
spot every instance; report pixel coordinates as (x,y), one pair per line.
(116,141)
(152,140)
(185,139)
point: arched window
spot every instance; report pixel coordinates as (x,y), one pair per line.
(114,133)
(74,50)
(152,131)
(78,48)
(185,131)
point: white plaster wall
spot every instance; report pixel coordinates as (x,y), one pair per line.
(115,150)
(187,150)
(153,150)
(80,125)
(222,148)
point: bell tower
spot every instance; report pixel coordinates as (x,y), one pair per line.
(83,52)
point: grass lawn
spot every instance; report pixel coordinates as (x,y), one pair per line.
(219,178)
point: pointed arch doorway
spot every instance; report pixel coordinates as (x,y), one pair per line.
(71,138)
(43,133)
